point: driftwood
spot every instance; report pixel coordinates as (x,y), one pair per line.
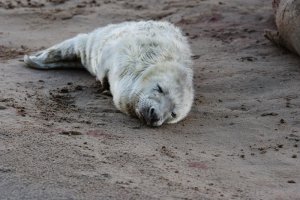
(287,17)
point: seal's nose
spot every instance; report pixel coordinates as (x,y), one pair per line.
(150,116)
(153,116)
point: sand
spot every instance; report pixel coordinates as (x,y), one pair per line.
(61,138)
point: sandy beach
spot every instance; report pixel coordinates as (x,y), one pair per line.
(61,138)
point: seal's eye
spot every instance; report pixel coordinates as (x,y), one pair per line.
(173,114)
(159,89)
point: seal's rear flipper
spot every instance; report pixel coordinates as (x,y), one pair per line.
(62,55)
(38,63)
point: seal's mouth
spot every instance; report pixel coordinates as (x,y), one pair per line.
(149,116)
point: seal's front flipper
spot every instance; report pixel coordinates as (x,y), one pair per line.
(274,37)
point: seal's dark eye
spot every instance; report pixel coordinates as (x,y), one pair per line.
(173,114)
(159,89)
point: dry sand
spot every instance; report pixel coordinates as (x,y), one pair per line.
(60,138)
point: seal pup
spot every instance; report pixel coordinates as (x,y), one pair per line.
(146,66)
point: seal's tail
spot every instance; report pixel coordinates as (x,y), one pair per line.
(62,55)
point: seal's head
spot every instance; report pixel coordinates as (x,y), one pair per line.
(164,94)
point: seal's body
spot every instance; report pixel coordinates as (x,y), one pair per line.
(147,66)
(287,18)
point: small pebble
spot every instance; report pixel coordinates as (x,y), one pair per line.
(291,181)
(64,90)
(78,87)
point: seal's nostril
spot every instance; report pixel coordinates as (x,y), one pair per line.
(152,111)
(153,116)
